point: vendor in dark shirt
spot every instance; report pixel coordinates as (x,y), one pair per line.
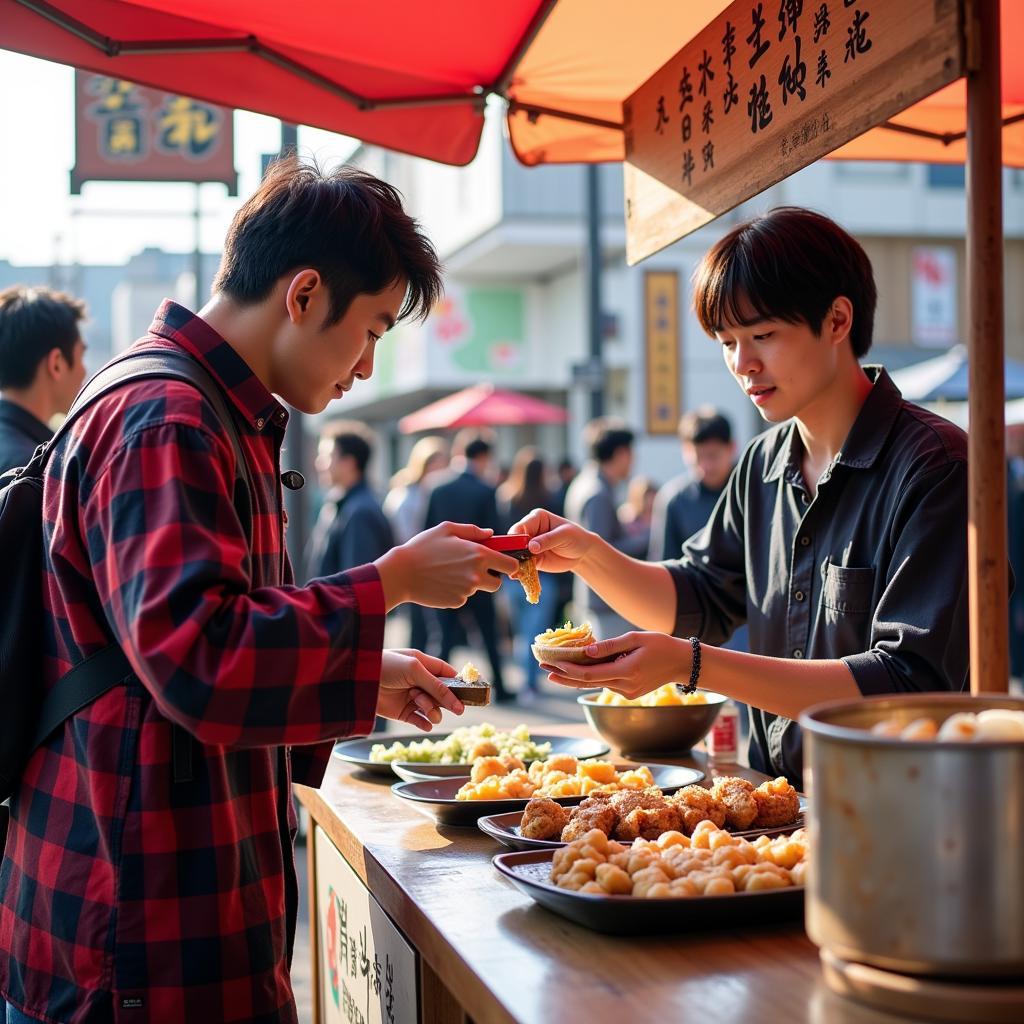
(841,538)
(41,367)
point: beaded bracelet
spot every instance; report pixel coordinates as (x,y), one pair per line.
(694,665)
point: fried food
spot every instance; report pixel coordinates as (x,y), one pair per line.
(696,804)
(673,867)
(668,695)
(487,766)
(483,748)
(566,636)
(737,797)
(543,819)
(649,823)
(777,803)
(530,579)
(496,778)
(591,814)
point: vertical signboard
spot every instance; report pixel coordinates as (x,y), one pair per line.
(661,334)
(126,132)
(765,89)
(367,970)
(933,296)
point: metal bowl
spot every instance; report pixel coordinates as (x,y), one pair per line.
(917,844)
(673,729)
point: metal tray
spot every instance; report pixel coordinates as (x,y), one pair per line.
(530,872)
(436,797)
(505,829)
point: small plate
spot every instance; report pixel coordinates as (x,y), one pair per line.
(530,873)
(357,752)
(505,829)
(436,797)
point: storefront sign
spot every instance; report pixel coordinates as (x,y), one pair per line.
(126,132)
(765,89)
(933,296)
(367,970)
(661,332)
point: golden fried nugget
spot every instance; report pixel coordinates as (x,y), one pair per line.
(583,818)
(530,579)
(485,767)
(737,796)
(777,803)
(483,748)
(697,804)
(649,823)
(543,819)
(628,800)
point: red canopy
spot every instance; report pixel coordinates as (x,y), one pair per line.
(481,406)
(363,69)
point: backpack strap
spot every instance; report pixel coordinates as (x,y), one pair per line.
(110,667)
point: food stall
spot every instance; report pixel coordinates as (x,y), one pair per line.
(410,920)
(482,951)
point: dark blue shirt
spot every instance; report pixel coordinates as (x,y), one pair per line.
(20,434)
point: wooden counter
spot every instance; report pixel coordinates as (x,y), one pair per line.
(489,954)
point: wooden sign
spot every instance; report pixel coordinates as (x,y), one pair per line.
(767,88)
(661,330)
(367,969)
(127,132)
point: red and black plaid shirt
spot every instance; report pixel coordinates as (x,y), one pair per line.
(124,895)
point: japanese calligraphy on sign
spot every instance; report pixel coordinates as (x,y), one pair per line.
(367,971)
(126,132)
(767,88)
(663,367)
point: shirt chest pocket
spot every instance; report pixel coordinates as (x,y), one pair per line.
(846,590)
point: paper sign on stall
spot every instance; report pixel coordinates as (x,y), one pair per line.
(766,89)
(367,969)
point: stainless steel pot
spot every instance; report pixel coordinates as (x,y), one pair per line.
(918,847)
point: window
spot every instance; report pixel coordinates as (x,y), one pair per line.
(945,175)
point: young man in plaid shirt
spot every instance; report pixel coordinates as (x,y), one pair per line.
(126,895)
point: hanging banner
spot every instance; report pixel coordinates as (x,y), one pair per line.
(127,132)
(766,89)
(661,333)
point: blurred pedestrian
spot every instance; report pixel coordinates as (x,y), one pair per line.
(468,496)
(525,490)
(42,366)
(591,502)
(406,509)
(635,512)
(684,504)
(351,529)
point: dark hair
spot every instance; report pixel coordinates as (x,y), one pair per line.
(472,442)
(348,225)
(33,322)
(705,424)
(525,487)
(352,439)
(605,436)
(790,264)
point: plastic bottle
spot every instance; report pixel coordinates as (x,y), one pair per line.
(723,740)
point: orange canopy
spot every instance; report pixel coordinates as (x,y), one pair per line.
(591,55)
(413,76)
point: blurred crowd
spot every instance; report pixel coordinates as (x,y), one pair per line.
(464,482)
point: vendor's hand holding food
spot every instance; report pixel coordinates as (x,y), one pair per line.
(442,567)
(641,662)
(557,544)
(410,691)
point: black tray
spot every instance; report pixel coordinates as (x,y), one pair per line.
(505,828)
(530,873)
(436,798)
(357,751)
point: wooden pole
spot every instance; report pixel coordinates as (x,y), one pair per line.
(986,506)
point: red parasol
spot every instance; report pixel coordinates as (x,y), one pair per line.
(482,405)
